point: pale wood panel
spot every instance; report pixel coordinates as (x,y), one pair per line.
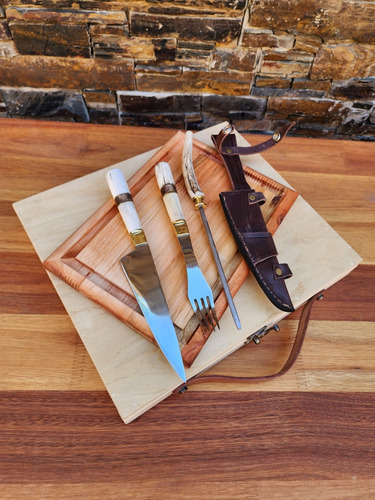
(343,198)
(320,155)
(248,488)
(46,355)
(360,235)
(337,356)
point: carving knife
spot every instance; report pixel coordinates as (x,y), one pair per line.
(141,273)
(197,196)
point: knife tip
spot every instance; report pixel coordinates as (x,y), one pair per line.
(181,374)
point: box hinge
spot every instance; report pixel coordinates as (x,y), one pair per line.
(258,335)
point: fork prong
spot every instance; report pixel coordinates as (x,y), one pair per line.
(207,310)
(201,317)
(213,310)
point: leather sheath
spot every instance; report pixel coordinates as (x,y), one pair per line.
(243,213)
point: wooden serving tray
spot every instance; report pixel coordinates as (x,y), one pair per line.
(89,259)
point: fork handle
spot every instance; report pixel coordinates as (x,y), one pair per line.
(168,189)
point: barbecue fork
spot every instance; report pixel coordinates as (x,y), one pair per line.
(199,292)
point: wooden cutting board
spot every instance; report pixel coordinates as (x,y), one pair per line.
(89,259)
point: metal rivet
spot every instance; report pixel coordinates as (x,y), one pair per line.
(278,271)
(228,150)
(252,197)
(227,129)
(276,136)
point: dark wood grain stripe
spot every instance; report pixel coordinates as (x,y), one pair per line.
(56,436)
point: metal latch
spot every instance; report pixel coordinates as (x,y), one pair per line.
(257,336)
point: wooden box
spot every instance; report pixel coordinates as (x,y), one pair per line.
(132,368)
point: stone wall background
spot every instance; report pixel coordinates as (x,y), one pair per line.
(192,63)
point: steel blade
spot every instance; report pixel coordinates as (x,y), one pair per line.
(140,270)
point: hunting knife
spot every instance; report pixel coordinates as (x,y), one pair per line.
(141,273)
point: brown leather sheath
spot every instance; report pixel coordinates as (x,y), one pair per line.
(242,210)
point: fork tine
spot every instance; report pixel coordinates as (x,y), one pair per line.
(201,317)
(213,310)
(207,312)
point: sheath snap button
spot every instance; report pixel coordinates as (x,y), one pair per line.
(251,198)
(278,271)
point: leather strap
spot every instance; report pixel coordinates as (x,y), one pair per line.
(249,150)
(226,144)
(296,349)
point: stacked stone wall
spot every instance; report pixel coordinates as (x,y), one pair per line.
(191,64)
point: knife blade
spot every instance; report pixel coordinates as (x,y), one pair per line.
(141,273)
(197,196)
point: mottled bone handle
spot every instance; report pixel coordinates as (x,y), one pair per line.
(119,187)
(171,200)
(190,179)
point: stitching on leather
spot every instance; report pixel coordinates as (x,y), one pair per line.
(218,145)
(251,258)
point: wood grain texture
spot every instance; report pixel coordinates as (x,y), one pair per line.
(310,435)
(89,259)
(259,442)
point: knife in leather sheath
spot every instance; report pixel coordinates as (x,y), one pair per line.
(243,213)
(141,273)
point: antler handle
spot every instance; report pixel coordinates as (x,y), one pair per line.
(190,179)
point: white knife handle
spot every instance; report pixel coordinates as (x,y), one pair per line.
(190,179)
(167,187)
(120,191)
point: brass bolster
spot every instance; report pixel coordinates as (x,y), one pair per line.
(122,198)
(180,227)
(198,200)
(138,237)
(168,188)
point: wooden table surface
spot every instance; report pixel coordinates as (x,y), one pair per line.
(307,435)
